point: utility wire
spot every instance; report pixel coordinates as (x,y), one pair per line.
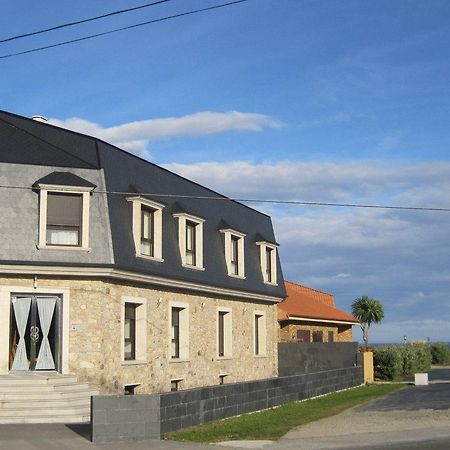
(78,22)
(253,200)
(116,30)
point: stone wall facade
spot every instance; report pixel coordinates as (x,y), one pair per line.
(95,334)
(288,331)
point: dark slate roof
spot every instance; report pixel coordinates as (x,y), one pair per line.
(65,179)
(25,141)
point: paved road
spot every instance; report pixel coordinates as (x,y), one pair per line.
(415,418)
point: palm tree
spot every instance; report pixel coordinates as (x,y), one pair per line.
(368,310)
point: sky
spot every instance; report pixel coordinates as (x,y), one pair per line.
(308,100)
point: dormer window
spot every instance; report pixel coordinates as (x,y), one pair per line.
(64,219)
(190,240)
(147,227)
(268,260)
(64,200)
(234,252)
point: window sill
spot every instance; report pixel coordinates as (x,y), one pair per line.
(270,283)
(232,275)
(63,247)
(187,266)
(260,356)
(178,360)
(149,258)
(133,362)
(223,358)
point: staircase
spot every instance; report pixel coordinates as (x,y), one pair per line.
(44,397)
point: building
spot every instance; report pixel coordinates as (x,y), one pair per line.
(125,274)
(309,315)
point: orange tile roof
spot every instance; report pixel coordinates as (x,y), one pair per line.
(305,302)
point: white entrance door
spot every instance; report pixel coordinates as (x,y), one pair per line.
(35,333)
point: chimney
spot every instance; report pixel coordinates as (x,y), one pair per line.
(40,119)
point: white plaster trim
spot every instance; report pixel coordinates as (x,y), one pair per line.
(228,234)
(273,260)
(182,218)
(343,322)
(131,276)
(5,307)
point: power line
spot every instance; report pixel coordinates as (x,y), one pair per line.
(116,30)
(254,200)
(78,22)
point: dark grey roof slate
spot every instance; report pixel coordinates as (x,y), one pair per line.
(25,141)
(65,179)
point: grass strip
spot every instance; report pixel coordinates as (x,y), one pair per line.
(274,423)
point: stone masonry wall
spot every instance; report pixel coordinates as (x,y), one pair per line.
(288,331)
(95,336)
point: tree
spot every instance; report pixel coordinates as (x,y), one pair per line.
(368,311)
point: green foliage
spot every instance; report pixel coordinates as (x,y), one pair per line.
(387,362)
(274,423)
(440,353)
(368,310)
(401,360)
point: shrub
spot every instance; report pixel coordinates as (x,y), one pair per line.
(423,357)
(387,362)
(395,361)
(440,353)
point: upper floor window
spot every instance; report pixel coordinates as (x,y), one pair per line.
(190,240)
(64,219)
(64,200)
(268,260)
(234,252)
(147,227)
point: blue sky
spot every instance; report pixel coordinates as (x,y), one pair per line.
(303,100)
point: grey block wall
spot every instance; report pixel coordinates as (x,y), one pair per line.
(297,358)
(151,416)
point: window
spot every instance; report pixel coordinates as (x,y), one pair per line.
(134,330)
(179,331)
(190,250)
(190,240)
(234,252)
(64,218)
(147,231)
(317,336)
(130,332)
(259,334)
(330,336)
(224,333)
(222,377)
(147,228)
(268,259)
(130,389)
(304,335)
(175,384)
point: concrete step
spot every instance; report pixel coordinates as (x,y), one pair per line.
(39,380)
(29,388)
(60,419)
(40,403)
(51,395)
(45,412)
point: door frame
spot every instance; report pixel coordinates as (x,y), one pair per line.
(6,292)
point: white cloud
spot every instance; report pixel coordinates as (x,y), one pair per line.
(135,136)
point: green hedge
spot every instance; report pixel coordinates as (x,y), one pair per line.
(401,360)
(440,353)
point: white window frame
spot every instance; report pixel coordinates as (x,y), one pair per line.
(227,333)
(85,192)
(228,234)
(263,246)
(140,330)
(183,331)
(262,332)
(157,208)
(182,219)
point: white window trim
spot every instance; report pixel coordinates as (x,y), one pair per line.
(82,190)
(182,218)
(140,329)
(227,332)
(262,329)
(228,234)
(184,331)
(262,257)
(137,203)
